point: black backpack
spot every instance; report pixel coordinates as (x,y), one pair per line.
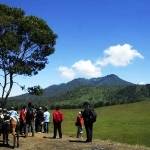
(30,114)
(92,116)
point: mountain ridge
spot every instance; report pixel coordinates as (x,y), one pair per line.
(60,89)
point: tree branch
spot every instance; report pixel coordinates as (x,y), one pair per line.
(22,87)
(5,79)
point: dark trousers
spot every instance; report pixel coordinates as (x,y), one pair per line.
(57,126)
(5,131)
(38,126)
(46,127)
(89,132)
(30,125)
(22,127)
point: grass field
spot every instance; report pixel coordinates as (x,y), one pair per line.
(128,123)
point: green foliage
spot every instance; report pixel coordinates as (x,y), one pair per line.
(25,44)
(25,41)
(36,90)
(97,96)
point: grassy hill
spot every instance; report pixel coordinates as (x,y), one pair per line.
(62,91)
(96,95)
(128,123)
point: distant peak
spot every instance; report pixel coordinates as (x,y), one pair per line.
(112,75)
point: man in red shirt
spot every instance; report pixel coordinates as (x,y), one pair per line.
(57,120)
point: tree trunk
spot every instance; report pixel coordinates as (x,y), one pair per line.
(10,87)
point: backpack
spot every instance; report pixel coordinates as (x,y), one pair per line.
(92,116)
(29,114)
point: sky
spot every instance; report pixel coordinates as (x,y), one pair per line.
(95,38)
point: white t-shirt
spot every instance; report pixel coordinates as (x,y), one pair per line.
(13,113)
(46,116)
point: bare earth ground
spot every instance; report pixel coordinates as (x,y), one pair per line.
(45,142)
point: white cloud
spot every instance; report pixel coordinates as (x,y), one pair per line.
(86,68)
(119,55)
(141,83)
(66,72)
(81,68)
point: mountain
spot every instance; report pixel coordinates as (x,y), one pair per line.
(57,90)
(109,80)
(103,91)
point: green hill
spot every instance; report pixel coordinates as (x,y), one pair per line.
(128,123)
(96,95)
(104,91)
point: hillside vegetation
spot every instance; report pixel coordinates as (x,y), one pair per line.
(96,95)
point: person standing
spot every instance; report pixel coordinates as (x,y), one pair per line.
(39,120)
(46,120)
(5,126)
(22,118)
(1,120)
(79,123)
(30,119)
(89,117)
(57,120)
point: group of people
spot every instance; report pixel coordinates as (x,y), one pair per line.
(37,120)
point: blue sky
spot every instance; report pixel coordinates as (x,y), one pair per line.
(95,38)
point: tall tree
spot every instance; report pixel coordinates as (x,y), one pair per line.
(25,44)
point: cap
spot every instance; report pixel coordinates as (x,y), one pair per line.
(4,110)
(79,112)
(12,108)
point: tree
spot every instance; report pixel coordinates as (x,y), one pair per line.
(25,44)
(36,90)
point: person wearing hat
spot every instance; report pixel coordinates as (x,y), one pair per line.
(79,123)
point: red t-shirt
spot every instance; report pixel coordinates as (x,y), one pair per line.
(23,113)
(57,116)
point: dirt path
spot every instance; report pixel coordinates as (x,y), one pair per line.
(44,142)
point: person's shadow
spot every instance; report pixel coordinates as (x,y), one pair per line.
(6,145)
(77,141)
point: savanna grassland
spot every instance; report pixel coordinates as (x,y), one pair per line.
(119,127)
(127,123)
